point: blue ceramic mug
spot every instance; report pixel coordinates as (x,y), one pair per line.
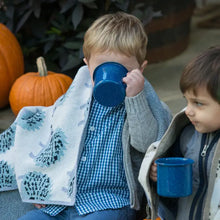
(174,176)
(109,90)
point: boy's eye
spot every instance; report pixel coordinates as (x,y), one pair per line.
(198,103)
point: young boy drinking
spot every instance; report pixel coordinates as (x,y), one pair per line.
(194,133)
(80,159)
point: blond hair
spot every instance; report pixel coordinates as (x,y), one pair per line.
(119,32)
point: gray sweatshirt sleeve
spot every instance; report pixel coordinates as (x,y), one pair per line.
(143,127)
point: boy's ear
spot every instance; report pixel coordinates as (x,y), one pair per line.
(143,66)
(85,61)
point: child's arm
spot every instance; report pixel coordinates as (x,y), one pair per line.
(142,125)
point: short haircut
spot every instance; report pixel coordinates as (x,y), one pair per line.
(117,32)
(203,71)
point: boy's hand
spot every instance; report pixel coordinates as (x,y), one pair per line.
(39,206)
(135,82)
(153,172)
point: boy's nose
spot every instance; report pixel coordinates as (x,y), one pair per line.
(189,110)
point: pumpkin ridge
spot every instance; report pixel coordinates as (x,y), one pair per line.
(12,50)
(26,91)
(55,84)
(13,64)
(67,82)
(61,82)
(5,88)
(6,65)
(32,80)
(16,46)
(51,89)
(39,91)
(21,98)
(64,81)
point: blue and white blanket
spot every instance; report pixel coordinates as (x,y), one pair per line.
(39,151)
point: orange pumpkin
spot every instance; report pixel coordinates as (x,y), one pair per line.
(40,88)
(11,63)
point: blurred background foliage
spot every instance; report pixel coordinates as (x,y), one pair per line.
(54,29)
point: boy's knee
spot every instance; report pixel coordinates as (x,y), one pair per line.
(35,214)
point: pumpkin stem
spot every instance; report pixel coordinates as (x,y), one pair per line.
(41,66)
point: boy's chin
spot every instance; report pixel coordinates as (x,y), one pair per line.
(204,130)
(200,129)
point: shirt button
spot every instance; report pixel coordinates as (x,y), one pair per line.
(92,128)
(83,158)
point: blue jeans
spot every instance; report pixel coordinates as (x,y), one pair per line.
(70,213)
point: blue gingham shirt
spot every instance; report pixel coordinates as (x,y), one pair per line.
(101,181)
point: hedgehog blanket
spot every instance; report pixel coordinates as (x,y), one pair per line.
(39,152)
